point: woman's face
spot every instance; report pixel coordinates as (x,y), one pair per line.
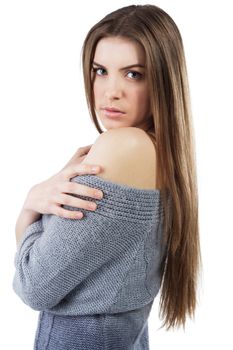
(118,87)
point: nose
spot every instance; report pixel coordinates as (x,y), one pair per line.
(113,89)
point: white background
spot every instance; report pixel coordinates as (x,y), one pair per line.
(44,120)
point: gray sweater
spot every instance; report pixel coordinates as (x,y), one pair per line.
(107,263)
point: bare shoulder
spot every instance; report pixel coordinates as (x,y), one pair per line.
(127,156)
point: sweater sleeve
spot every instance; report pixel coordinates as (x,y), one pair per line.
(57,254)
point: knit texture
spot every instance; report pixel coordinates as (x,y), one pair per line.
(101,272)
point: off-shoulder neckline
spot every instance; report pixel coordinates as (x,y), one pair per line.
(121,186)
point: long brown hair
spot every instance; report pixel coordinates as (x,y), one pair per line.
(158,34)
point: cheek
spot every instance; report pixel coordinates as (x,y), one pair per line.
(98,91)
(140,97)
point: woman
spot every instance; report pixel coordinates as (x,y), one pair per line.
(94,280)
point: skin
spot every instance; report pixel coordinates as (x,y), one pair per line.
(128,91)
(126,156)
(125,89)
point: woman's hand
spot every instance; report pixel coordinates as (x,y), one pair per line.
(48,196)
(79,156)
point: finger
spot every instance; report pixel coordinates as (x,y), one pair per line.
(83,150)
(64,213)
(72,201)
(81,169)
(88,146)
(80,189)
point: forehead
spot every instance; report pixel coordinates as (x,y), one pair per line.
(119,51)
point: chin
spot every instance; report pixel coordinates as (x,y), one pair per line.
(110,125)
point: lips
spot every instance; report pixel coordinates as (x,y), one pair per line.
(112,109)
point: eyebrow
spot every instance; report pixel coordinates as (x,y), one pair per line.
(130,66)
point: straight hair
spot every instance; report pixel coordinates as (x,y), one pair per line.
(157,33)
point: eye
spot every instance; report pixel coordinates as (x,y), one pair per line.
(96,69)
(139,75)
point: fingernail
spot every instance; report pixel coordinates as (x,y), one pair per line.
(95,168)
(98,195)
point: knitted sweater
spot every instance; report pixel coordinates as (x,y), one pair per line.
(102,270)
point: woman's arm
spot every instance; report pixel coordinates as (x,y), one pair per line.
(48,196)
(90,257)
(25,218)
(59,255)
